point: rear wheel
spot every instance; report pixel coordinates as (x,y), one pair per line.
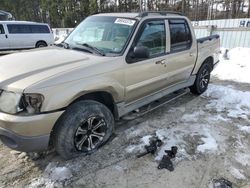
(202,79)
(83,128)
(41,44)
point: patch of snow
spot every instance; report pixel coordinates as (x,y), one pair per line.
(237,68)
(170,138)
(238,174)
(210,143)
(161,134)
(132,148)
(132,132)
(207,136)
(245,128)
(60,174)
(175,109)
(243,158)
(119,168)
(43,182)
(176,137)
(192,117)
(225,99)
(242,153)
(139,148)
(207,140)
(181,153)
(217,117)
(146,139)
(53,176)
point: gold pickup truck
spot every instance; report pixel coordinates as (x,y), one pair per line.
(68,96)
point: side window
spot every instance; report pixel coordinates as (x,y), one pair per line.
(12,28)
(39,29)
(1,30)
(18,29)
(180,35)
(153,37)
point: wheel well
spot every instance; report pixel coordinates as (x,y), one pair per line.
(210,61)
(102,97)
(42,42)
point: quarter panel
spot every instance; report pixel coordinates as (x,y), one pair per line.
(205,50)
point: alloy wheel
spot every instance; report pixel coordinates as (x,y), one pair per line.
(90,133)
(204,78)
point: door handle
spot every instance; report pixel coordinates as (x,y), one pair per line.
(6,36)
(161,62)
(191,54)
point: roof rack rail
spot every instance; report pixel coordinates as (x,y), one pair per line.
(163,13)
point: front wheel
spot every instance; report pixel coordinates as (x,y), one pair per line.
(83,128)
(202,80)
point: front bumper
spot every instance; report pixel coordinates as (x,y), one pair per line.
(24,143)
(27,133)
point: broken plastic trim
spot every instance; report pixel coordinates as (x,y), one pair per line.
(166,159)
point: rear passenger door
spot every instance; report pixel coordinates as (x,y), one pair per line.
(182,52)
(4,42)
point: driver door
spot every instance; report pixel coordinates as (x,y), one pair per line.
(146,76)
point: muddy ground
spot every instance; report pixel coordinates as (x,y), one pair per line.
(186,122)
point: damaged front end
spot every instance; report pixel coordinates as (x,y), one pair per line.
(19,103)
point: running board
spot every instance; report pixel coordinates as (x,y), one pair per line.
(156,104)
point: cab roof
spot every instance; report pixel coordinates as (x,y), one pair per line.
(142,14)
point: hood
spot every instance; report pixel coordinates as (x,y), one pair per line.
(20,70)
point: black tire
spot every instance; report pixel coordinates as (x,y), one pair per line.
(41,44)
(202,79)
(76,133)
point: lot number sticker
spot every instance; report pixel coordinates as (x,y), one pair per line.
(125,21)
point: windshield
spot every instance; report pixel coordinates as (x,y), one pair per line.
(107,34)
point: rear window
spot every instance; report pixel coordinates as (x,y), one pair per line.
(40,29)
(27,29)
(180,35)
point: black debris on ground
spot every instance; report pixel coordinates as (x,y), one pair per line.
(222,183)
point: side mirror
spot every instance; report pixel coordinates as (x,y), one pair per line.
(141,52)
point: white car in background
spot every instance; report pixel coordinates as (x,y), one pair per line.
(24,35)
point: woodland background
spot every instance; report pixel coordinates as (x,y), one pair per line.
(68,13)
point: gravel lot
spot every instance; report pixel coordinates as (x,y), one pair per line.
(212,133)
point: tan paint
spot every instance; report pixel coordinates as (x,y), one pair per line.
(62,76)
(35,125)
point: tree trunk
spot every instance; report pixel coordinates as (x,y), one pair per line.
(248,12)
(183,6)
(233,9)
(227,9)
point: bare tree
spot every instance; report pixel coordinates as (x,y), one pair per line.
(248,12)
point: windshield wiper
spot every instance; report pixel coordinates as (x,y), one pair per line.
(93,49)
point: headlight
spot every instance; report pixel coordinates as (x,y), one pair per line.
(9,102)
(12,103)
(32,102)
